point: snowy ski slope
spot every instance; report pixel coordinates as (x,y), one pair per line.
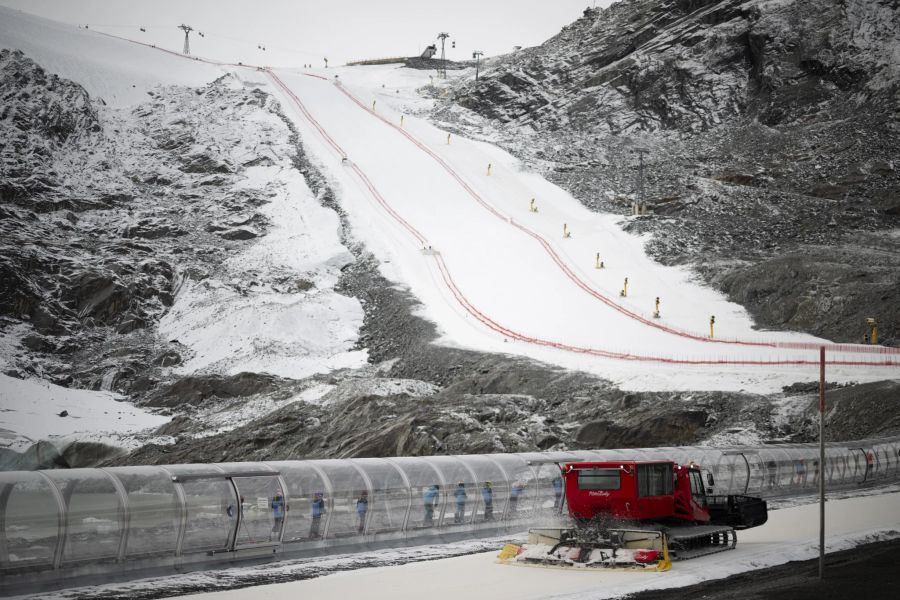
(498,277)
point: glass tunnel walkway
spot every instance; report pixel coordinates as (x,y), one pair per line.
(60,524)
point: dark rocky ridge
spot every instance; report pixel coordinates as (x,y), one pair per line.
(567,411)
(772,130)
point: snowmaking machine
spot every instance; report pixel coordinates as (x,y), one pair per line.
(637,514)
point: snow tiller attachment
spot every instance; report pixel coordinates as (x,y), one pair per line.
(637,549)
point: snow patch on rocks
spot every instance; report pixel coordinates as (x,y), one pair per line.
(32,410)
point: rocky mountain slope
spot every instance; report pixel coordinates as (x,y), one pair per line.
(128,235)
(108,214)
(771,130)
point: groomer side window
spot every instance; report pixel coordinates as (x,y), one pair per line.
(654,480)
(598,479)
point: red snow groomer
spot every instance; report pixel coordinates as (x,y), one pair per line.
(638,514)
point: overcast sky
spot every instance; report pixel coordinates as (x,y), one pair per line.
(301,31)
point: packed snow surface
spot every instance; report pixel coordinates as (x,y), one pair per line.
(790,534)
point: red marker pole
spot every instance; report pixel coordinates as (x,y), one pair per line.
(822,462)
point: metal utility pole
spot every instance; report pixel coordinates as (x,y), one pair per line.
(477,56)
(442,70)
(187,43)
(821,470)
(641,207)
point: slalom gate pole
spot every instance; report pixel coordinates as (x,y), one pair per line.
(822,462)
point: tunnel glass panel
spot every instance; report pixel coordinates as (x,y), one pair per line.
(607,455)
(721,469)
(307,493)
(422,475)
(244,467)
(865,464)
(522,486)
(884,462)
(94,512)
(30,518)
(493,488)
(264,509)
(703,459)
(583,456)
(390,496)
(349,504)
(757,473)
(656,454)
(463,501)
(895,452)
(826,470)
(741,480)
(553,483)
(189,470)
(855,464)
(547,488)
(787,471)
(727,475)
(850,456)
(834,465)
(212,511)
(800,469)
(154,512)
(622,455)
(813,469)
(680,456)
(550,487)
(769,460)
(846,468)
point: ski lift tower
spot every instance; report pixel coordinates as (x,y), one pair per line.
(187,43)
(442,70)
(477,56)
